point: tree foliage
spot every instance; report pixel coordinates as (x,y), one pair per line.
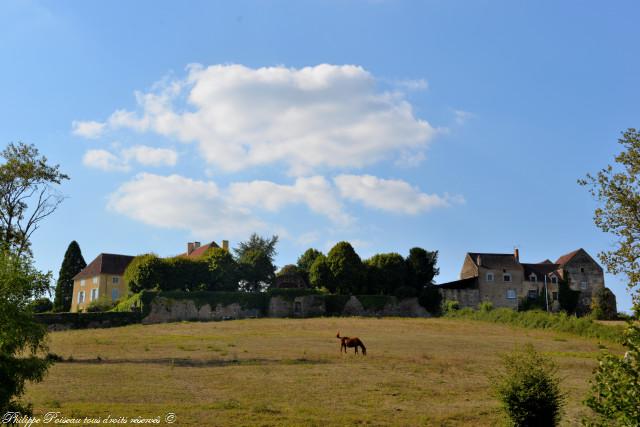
(255,261)
(223,269)
(307,258)
(617,189)
(22,338)
(603,304)
(421,267)
(346,268)
(387,273)
(320,275)
(529,389)
(615,388)
(72,264)
(144,272)
(27,195)
(567,297)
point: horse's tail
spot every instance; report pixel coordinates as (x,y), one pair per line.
(338,336)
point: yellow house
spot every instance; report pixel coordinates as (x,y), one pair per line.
(102,278)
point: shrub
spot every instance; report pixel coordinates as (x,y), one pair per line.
(41,305)
(405,292)
(567,297)
(144,272)
(450,306)
(186,274)
(374,302)
(615,388)
(529,389)
(101,304)
(485,306)
(431,299)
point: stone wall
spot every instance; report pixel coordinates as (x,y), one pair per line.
(465,297)
(171,310)
(65,321)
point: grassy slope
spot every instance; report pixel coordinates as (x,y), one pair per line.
(290,372)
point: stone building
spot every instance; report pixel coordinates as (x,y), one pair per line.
(504,281)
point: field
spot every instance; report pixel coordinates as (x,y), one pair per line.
(290,372)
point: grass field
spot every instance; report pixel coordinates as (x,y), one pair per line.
(290,372)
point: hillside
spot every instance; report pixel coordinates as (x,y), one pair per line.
(290,372)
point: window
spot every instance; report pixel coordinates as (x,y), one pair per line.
(511,294)
(115,295)
(95,280)
(82,282)
(115,280)
(80,297)
(583,285)
(533,294)
(489,277)
(554,295)
(506,277)
(94,294)
(554,279)
(533,278)
(581,269)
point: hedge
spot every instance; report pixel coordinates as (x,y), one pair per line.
(86,320)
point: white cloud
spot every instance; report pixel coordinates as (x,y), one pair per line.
(325,116)
(390,195)
(142,154)
(150,156)
(316,192)
(419,84)
(90,129)
(176,202)
(462,116)
(103,160)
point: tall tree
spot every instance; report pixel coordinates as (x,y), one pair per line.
(421,267)
(389,272)
(617,189)
(223,270)
(255,260)
(307,258)
(72,264)
(22,338)
(27,194)
(320,275)
(346,267)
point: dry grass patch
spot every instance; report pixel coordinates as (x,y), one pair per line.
(290,371)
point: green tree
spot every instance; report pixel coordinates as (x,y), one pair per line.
(567,297)
(22,338)
(615,388)
(431,299)
(27,195)
(307,258)
(529,389)
(257,271)
(72,264)
(258,243)
(144,272)
(421,268)
(223,270)
(617,189)
(346,268)
(320,275)
(388,273)
(41,305)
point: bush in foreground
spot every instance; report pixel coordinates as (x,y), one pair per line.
(529,389)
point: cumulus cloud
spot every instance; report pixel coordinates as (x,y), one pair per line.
(203,208)
(316,192)
(176,202)
(326,116)
(390,194)
(90,129)
(142,154)
(104,160)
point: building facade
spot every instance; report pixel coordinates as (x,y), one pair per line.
(506,282)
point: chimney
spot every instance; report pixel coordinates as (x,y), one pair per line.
(479,260)
(190,248)
(225,245)
(196,245)
(516,254)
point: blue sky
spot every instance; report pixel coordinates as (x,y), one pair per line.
(454,126)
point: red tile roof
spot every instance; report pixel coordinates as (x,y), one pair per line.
(566,258)
(198,252)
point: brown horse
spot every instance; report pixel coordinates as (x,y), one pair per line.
(354,342)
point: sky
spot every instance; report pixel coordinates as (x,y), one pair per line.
(454,126)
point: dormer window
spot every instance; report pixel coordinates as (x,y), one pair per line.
(506,277)
(489,277)
(533,278)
